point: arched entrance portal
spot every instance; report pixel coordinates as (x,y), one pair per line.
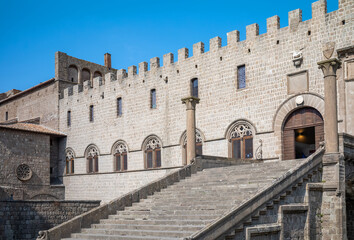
(302,133)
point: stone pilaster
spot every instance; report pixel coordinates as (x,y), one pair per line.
(191,103)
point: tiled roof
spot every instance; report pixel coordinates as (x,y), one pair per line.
(30,127)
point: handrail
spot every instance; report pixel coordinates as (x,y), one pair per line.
(225,223)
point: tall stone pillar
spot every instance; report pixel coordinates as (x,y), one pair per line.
(329,68)
(190,102)
(333,198)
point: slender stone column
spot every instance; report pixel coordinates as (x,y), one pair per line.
(190,102)
(329,68)
(333,221)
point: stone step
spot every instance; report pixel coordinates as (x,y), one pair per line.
(181,222)
(131,232)
(194,207)
(165,217)
(116,237)
(202,198)
(187,228)
(171,212)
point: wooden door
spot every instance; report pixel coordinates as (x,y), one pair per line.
(301,118)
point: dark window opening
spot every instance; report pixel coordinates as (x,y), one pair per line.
(92,164)
(121,161)
(278,41)
(51,170)
(153,98)
(6,116)
(305,143)
(309,33)
(249,50)
(220,58)
(241,77)
(343,22)
(194,87)
(153,158)
(119,107)
(69,118)
(91,113)
(196,66)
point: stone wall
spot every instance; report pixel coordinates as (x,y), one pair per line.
(107,186)
(32,149)
(40,102)
(63,62)
(269,67)
(24,219)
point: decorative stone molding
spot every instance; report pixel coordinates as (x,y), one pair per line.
(91,151)
(69,153)
(119,147)
(239,129)
(259,151)
(151,142)
(23,172)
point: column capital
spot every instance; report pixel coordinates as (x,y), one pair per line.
(190,102)
(329,67)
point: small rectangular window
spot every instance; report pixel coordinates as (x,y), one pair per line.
(153,98)
(119,106)
(6,116)
(91,113)
(69,118)
(194,87)
(241,77)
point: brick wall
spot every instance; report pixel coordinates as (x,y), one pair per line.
(24,219)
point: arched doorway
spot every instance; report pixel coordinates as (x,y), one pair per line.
(302,133)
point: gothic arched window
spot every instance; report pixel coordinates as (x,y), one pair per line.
(152,150)
(92,159)
(240,136)
(120,152)
(69,161)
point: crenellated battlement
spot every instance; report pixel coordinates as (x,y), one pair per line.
(273,35)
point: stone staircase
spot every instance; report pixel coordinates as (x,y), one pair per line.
(192,204)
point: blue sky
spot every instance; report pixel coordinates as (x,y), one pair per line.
(132,31)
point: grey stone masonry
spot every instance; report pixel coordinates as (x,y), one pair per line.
(24,219)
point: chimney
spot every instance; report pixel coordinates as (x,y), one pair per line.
(107,60)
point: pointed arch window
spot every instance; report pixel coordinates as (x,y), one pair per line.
(92,160)
(153,153)
(241,141)
(120,157)
(69,162)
